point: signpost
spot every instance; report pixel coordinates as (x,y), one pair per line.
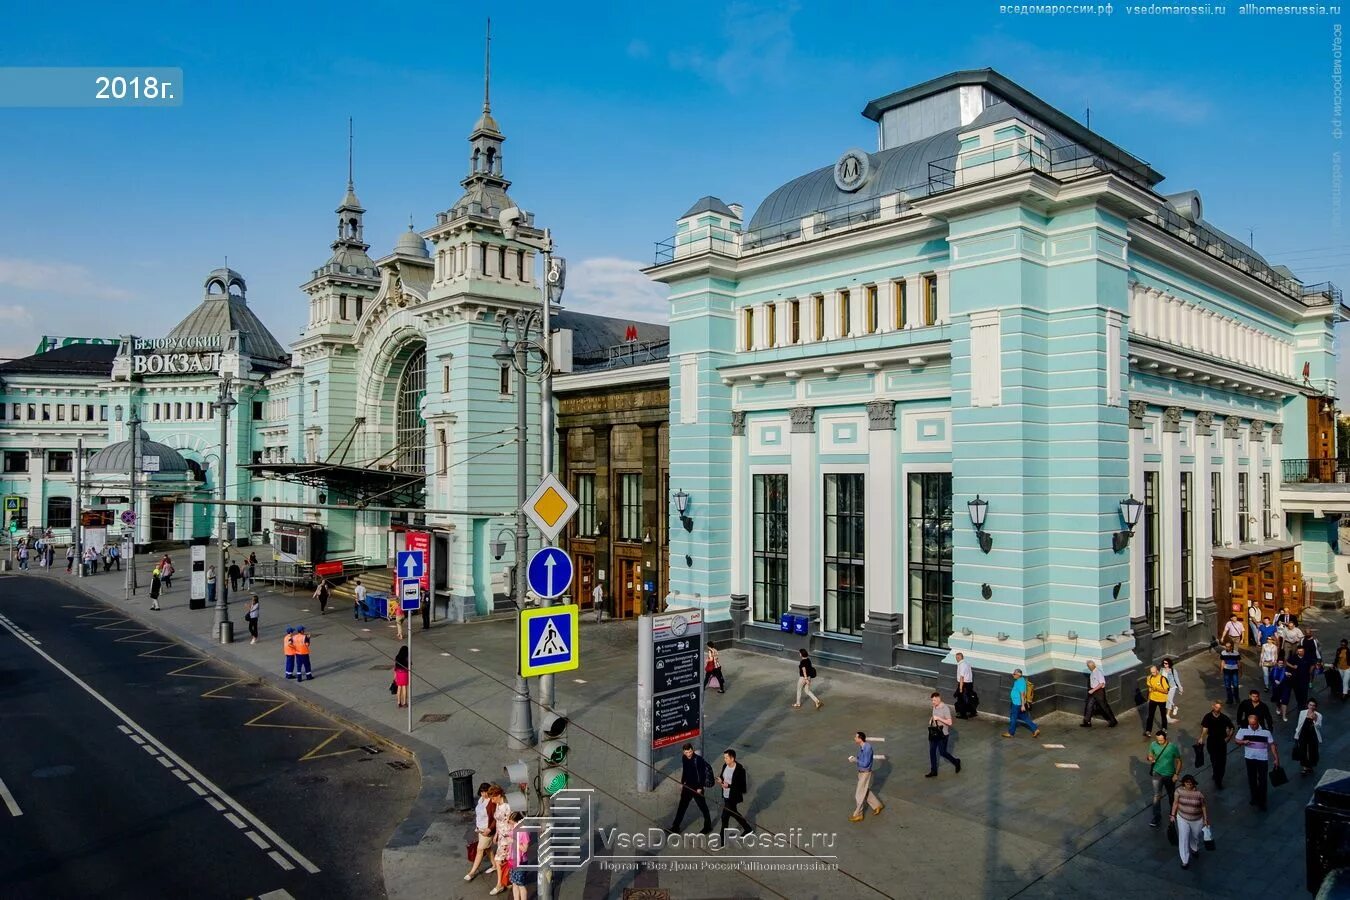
(548,640)
(410,598)
(550,573)
(670,685)
(550,507)
(197,588)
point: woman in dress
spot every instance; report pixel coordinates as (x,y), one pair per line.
(1308,737)
(516,857)
(501,817)
(401,677)
(1173,688)
(1281,686)
(712,666)
(1191,815)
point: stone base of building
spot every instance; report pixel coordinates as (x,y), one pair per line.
(1330,598)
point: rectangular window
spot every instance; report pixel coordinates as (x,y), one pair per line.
(1244,527)
(314,401)
(748,329)
(257,410)
(74,412)
(60,461)
(4,409)
(504,380)
(154,412)
(16,461)
(103,413)
(46,412)
(342,307)
(818,320)
(1187,554)
(290,544)
(520,266)
(178,410)
(630,506)
(1216,508)
(360,307)
(17,411)
(771,325)
(482,259)
(60,412)
(1265,505)
(898,292)
(1152,544)
(445,379)
(59,512)
(200,411)
(929,533)
(930,303)
(584,486)
(89,413)
(769,547)
(845,536)
(845,313)
(794,321)
(871,309)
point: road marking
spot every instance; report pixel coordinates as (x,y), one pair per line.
(200,791)
(149,749)
(182,776)
(1066,765)
(579,680)
(281,861)
(136,737)
(131,723)
(8,623)
(253,836)
(124,729)
(165,762)
(9,800)
(235,821)
(1053,746)
(276,895)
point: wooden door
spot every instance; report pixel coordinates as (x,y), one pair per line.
(584,582)
(628,588)
(1239,599)
(1292,594)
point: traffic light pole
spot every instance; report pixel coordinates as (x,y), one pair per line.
(224,628)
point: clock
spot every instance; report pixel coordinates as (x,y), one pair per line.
(679,626)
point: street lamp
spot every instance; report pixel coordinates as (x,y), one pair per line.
(978,510)
(682,504)
(1129,512)
(224,628)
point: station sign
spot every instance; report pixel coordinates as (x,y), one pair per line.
(676,677)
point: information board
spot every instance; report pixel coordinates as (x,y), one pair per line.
(677,677)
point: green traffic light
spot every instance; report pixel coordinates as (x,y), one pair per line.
(553,780)
(554,752)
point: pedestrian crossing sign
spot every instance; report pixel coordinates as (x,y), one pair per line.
(548,640)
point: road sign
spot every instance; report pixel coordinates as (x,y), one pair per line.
(128,517)
(676,677)
(548,640)
(420,541)
(409,564)
(149,463)
(550,507)
(549,573)
(410,595)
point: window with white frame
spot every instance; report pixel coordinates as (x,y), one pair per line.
(845,545)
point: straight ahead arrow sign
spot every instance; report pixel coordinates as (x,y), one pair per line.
(409,569)
(549,564)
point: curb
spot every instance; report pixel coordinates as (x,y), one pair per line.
(431,763)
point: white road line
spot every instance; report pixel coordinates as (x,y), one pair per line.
(253,836)
(9,800)
(235,821)
(1066,765)
(164,760)
(131,723)
(281,861)
(276,895)
(1053,746)
(122,728)
(149,749)
(136,737)
(216,804)
(197,788)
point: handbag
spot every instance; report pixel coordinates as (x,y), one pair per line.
(1208,834)
(935,732)
(715,683)
(1278,776)
(393,687)
(1199,754)
(1172,833)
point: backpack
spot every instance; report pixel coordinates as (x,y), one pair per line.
(1029,694)
(708,779)
(810,670)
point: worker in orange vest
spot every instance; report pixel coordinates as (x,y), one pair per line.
(288,644)
(302,669)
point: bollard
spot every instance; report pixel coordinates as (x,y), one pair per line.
(227,632)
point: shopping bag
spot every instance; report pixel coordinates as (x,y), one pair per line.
(472,850)
(1199,754)
(1172,833)
(1208,834)
(714,683)
(1278,776)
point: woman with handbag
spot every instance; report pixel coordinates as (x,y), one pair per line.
(1308,737)
(712,668)
(501,829)
(1169,672)
(805,672)
(321,593)
(483,827)
(401,678)
(1190,817)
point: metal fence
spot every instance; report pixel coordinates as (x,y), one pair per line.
(1316,471)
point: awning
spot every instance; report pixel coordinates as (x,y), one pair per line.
(356,485)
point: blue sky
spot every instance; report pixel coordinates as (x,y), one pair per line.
(616,118)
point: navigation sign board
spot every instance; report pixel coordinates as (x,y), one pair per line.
(550,507)
(409,565)
(420,542)
(149,463)
(410,595)
(676,677)
(549,573)
(548,640)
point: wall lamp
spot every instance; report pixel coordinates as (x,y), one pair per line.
(1073,635)
(978,510)
(682,504)
(498,546)
(986,591)
(1129,512)
(1003,635)
(966,631)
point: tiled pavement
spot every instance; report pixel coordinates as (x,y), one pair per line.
(1013,823)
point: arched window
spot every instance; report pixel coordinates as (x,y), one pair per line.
(410,428)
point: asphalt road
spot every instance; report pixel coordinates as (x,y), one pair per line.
(140,768)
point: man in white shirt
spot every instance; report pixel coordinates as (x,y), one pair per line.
(966,701)
(1232,630)
(1254,623)
(1258,749)
(598,602)
(1096,698)
(359,609)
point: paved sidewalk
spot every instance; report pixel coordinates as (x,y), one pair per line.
(1062,815)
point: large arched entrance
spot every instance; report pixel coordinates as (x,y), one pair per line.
(410,429)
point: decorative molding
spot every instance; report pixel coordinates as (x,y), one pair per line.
(1258,430)
(738,423)
(1204,422)
(803,419)
(1137,410)
(881,415)
(1171,419)
(1277,433)
(1230,427)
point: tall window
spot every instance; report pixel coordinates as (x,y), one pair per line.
(870,309)
(794,321)
(929,521)
(771,325)
(1244,527)
(342,309)
(1216,508)
(504,380)
(501,262)
(16,461)
(898,292)
(585,488)
(520,265)
(1152,543)
(1266,530)
(58,512)
(1187,567)
(930,304)
(255,514)
(360,307)
(630,506)
(769,547)
(845,599)
(748,329)
(411,429)
(60,461)
(845,313)
(817,322)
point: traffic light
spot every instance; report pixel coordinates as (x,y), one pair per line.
(518,785)
(553,774)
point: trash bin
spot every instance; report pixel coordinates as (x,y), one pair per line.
(461,782)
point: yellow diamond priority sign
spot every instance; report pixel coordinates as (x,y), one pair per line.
(550,507)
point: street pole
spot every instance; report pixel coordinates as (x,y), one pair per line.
(135,425)
(546,698)
(522,724)
(407,620)
(78,534)
(224,628)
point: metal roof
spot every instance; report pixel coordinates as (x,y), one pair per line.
(219,314)
(72,359)
(710,204)
(115,459)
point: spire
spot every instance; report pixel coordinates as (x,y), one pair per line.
(487,70)
(349,202)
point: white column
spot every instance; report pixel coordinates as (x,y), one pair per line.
(1276,477)
(783,322)
(801,517)
(883,529)
(913,301)
(1169,524)
(1136,544)
(1229,510)
(740,509)
(857,316)
(1203,529)
(886,300)
(1255,450)
(37,478)
(944,300)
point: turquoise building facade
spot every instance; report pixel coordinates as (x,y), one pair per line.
(996,316)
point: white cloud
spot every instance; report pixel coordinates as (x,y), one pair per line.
(609,286)
(56,278)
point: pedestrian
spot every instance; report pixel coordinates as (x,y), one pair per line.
(1270,652)
(1157,687)
(1191,815)
(70,559)
(696,776)
(166,566)
(1308,737)
(108,552)
(862,794)
(501,860)
(117,556)
(288,646)
(1020,698)
(1096,698)
(805,672)
(359,608)
(1216,730)
(302,666)
(252,568)
(90,560)
(154,588)
(251,617)
(321,594)
(1174,690)
(1253,706)
(1230,670)
(483,827)
(967,701)
(1281,687)
(1267,630)
(1258,750)
(598,603)
(398,614)
(401,677)
(1301,668)
(1254,623)
(1342,664)
(23,557)
(1293,638)
(426,612)
(1232,631)
(500,816)
(1164,769)
(210,583)
(939,733)
(519,874)
(233,572)
(1283,617)
(1311,647)
(734,783)
(712,669)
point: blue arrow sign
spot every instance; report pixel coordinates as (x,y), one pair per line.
(409,564)
(550,572)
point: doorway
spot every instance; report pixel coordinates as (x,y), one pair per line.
(584,583)
(161,519)
(628,588)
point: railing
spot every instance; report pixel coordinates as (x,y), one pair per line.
(1317,471)
(696,241)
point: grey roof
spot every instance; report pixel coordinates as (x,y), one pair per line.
(412,242)
(115,459)
(600,341)
(72,359)
(710,204)
(221,314)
